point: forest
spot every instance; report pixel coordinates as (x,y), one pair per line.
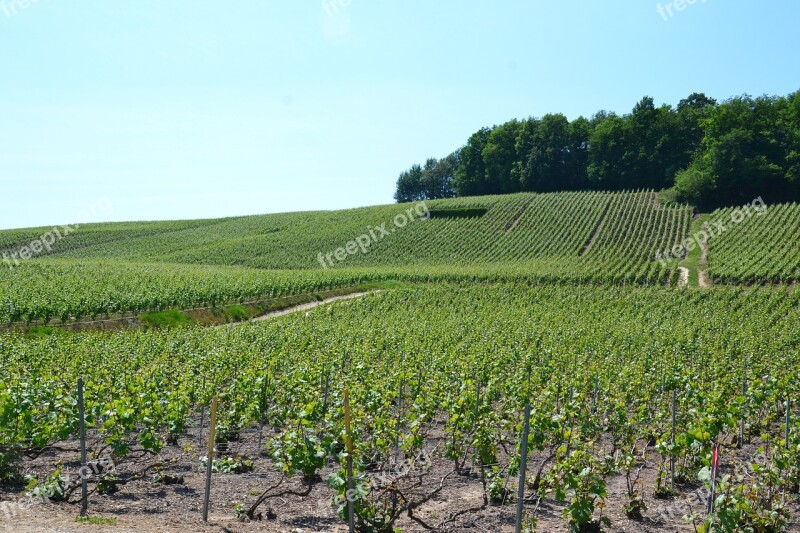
(702,152)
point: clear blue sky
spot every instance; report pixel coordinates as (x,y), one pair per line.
(194,109)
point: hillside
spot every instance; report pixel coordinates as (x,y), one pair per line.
(564,237)
(572,237)
(573,290)
(592,226)
(764,249)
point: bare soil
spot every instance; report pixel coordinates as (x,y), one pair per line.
(703,279)
(683,280)
(146,505)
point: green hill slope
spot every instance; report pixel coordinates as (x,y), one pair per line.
(624,228)
(570,238)
(579,237)
(756,246)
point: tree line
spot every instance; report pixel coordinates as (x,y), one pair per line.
(702,152)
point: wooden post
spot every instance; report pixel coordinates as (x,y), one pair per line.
(523,466)
(262,410)
(672,453)
(351,519)
(82,431)
(477,414)
(477,397)
(202,413)
(741,420)
(788,419)
(212,435)
(325,394)
(202,421)
(396,451)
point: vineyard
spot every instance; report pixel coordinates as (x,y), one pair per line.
(603,238)
(572,237)
(758,249)
(56,292)
(640,392)
(629,227)
(444,389)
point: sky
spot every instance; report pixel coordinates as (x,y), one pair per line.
(183,109)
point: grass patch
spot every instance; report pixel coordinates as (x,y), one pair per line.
(244,312)
(170,319)
(237,313)
(96,520)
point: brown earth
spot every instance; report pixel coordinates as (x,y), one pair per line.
(145,505)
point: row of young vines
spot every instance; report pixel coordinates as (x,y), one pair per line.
(599,366)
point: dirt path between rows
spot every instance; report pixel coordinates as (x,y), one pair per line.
(703,279)
(513,223)
(310,305)
(596,231)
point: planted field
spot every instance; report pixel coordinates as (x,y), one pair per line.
(444,389)
(486,304)
(65,291)
(58,292)
(756,248)
(628,227)
(112,269)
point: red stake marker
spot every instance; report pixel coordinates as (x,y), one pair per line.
(714,471)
